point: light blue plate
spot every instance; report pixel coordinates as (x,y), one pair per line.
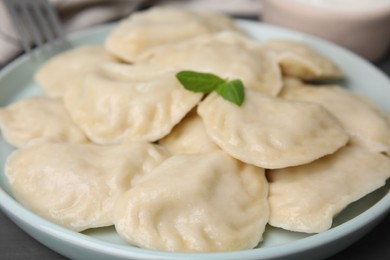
(16,81)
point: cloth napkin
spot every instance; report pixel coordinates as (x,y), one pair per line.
(80,14)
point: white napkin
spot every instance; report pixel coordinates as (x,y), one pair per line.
(79,14)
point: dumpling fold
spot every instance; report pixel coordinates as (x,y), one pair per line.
(77,185)
(159,26)
(36,118)
(68,69)
(306,198)
(122,103)
(271,132)
(202,202)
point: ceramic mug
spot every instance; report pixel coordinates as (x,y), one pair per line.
(362,26)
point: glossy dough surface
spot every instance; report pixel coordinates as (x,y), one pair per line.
(115,139)
(271,132)
(159,26)
(216,204)
(300,60)
(364,122)
(226,54)
(124,102)
(306,198)
(77,185)
(38,118)
(69,68)
(189,136)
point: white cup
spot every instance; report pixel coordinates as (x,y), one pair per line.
(362,26)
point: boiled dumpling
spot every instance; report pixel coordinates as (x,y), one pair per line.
(299,60)
(387,117)
(189,136)
(161,25)
(196,203)
(364,122)
(38,117)
(77,185)
(270,132)
(124,102)
(69,68)
(290,83)
(226,54)
(306,198)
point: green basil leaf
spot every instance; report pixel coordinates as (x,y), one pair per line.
(199,81)
(232,91)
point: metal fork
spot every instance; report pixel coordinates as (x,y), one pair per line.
(37,24)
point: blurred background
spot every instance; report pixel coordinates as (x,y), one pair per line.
(362,26)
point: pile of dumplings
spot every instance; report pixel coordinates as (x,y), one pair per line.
(116,140)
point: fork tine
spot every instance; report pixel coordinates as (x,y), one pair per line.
(31,24)
(54,20)
(18,24)
(40,16)
(36,22)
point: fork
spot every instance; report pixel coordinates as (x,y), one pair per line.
(37,24)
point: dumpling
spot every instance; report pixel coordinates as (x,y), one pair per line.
(77,185)
(161,25)
(364,122)
(306,198)
(226,54)
(387,118)
(38,117)
(290,83)
(196,203)
(124,102)
(69,68)
(299,60)
(271,132)
(189,136)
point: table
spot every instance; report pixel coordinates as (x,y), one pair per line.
(15,244)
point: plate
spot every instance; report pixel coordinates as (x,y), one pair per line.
(16,82)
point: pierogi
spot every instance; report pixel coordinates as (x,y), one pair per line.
(196,203)
(306,198)
(300,60)
(125,102)
(77,185)
(69,68)
(89,158)
(189,136)
(159,26)
(364,122)
(227,54)
(38,118)
(270,132)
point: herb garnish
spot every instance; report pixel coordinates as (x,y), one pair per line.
(231,90)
